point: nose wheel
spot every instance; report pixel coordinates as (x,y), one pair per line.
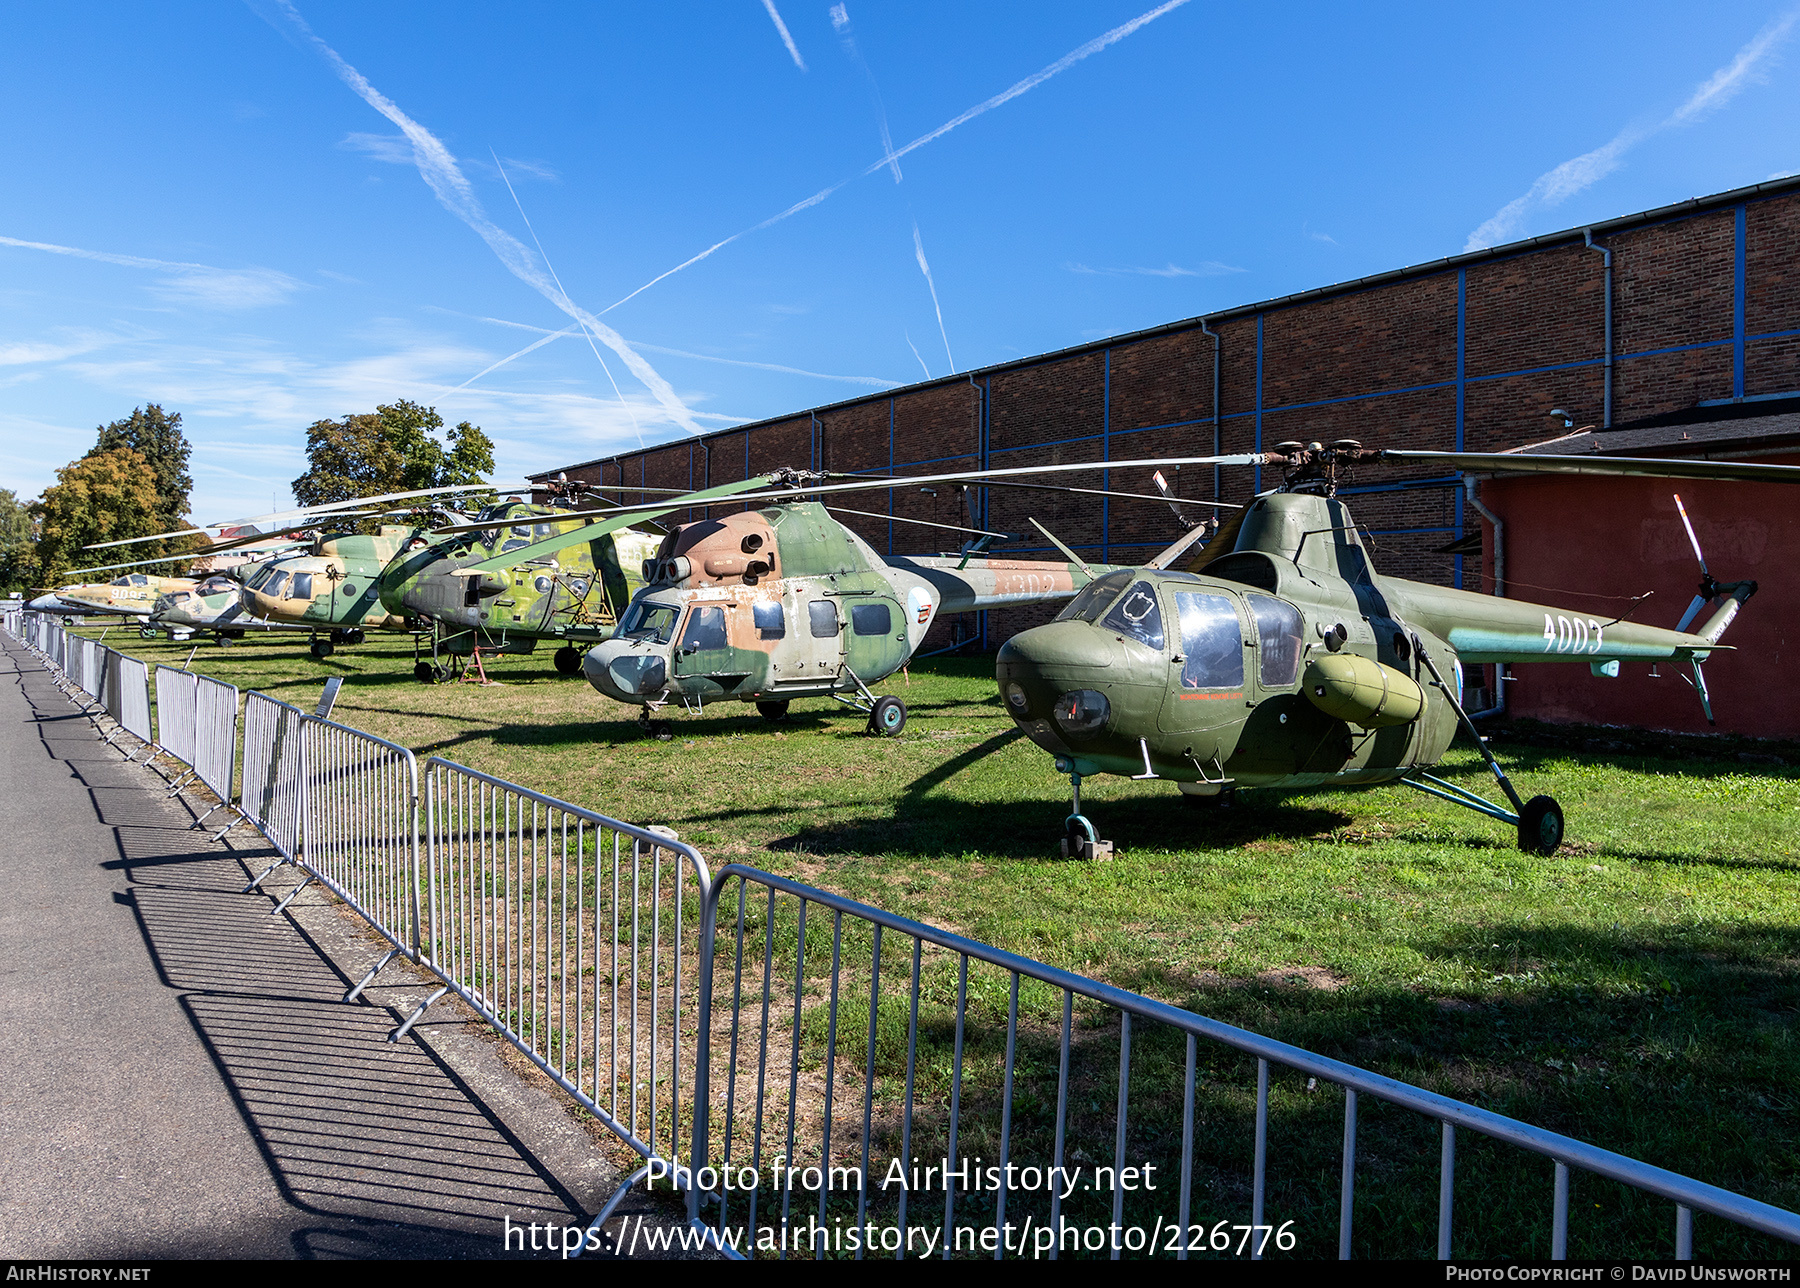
(1080,840)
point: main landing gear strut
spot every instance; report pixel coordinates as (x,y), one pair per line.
(1538,820)
(887,714)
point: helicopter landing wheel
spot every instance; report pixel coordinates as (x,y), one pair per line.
(353,636)
(888,717)
(322,649)
(1081,841)
(147,632)
(568,661)
(223,641)
(424,673)
(1211,801)
(773,712)
(1540,826)
(661,730)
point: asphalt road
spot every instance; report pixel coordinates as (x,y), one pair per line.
(180,1077)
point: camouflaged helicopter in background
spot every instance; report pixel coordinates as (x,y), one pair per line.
(771,605)
(131,595)
(571,596)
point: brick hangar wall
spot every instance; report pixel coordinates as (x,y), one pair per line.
(1470,354)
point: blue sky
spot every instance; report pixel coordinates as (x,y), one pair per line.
(263,214)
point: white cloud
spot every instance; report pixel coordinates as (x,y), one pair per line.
(228,289)
(1206,268)
(1557,185)
(30,353)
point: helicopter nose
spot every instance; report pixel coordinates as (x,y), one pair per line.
(1035,666)
(625,672)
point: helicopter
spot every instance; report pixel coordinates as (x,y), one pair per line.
(572,596)
(330,585)
(1278,657)
(130,595)
(770,605)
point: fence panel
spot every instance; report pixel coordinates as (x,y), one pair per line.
(360,825)
(274,778)
(869,1085)
(215,735)
(577,936)
(128,684)
(175,712)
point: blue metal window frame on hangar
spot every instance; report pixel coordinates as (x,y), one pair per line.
(1604,257)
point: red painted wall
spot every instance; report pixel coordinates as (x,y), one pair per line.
(1570,541)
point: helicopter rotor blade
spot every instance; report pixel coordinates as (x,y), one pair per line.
(1518,463)
(285,516)
(1692,539)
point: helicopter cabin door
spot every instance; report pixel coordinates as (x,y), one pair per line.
(877,637)
(703,650)
(1212,651)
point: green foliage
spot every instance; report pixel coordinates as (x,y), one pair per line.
(392,449)
(17,537)
(156,436)
(105,496)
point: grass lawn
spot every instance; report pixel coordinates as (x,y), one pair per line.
(1637,990)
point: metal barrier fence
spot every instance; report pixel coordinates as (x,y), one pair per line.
(196,724)
(359,826)
(952,1099)
(851,1082)
(274,776)
(175,716)
(127,696)
(574,934)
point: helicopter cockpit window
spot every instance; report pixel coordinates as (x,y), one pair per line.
(259,577)
(705,630)
(823,618)
(771,623)
(515,543)
(214,585)
(1094,598)
(274,585)
(655,622)
(1277,639)
(1136,614)
(138,579)
(302,588)
(1212,645)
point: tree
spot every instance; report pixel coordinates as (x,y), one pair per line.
(393,449)
(105,496)
(17,538)
(156,436)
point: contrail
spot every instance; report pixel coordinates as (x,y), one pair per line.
(539,343)
(916,354)
(555,277)
(447,182)
(840,23)
(785,38)
(919,250)
(1067,61)
(547,335)
(1557,185)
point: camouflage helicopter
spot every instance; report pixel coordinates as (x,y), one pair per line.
(571,595)
(1278,656)
(130,595)
(775,604)
(329,587)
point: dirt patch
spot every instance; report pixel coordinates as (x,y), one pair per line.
(1318,977)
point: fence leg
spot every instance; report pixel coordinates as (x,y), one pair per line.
(181,782)
(261,876)
(417,1015)
(293,894)
(369,978)
(612,1204)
